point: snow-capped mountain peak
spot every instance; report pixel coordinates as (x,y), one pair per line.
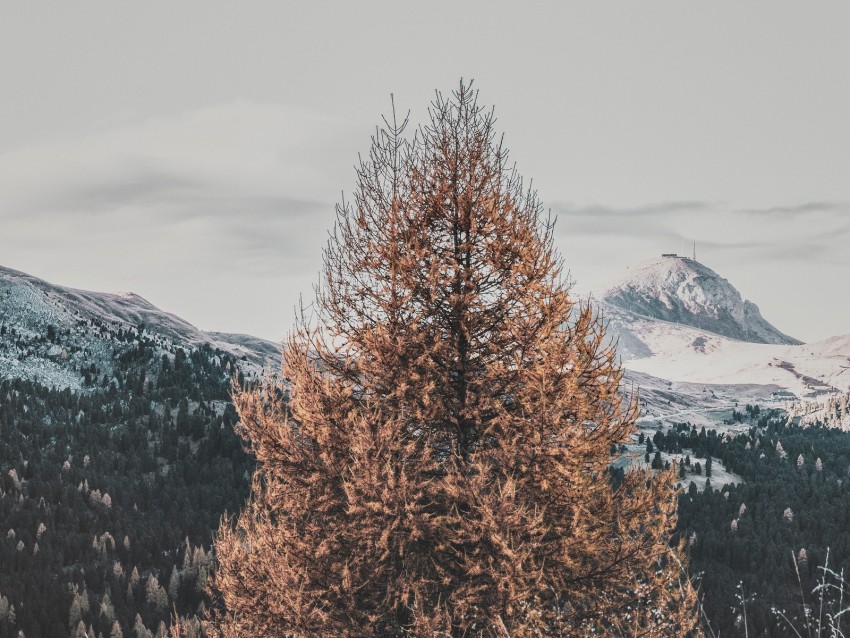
(683,291)
(675,319)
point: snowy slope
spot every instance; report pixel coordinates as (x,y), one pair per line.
(86,326)
(683,291)
(689,355)
(664,402)
(677,320)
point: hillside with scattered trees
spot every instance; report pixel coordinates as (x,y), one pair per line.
(793,505)
(449,449)
(109,494)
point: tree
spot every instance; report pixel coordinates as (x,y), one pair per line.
(155,595)
(74,614)
(435,462)
(140,630)
(174,583)
(657,462)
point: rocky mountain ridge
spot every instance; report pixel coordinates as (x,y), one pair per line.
(50,333)
(683,291)
(677,321)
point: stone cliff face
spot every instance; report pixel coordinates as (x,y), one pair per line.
(683,291)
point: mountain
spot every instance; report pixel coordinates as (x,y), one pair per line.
(50,333)
(118,458)
(118,455)
(720,388)
(689,355)
(692,344)
(683,291)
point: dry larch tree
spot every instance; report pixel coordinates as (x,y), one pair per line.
(436,461)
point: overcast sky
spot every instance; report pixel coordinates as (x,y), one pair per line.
(192,152)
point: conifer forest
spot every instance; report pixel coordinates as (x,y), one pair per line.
(451,440)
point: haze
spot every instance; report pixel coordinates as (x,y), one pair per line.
(193,154)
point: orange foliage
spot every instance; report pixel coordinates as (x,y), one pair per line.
(436,462)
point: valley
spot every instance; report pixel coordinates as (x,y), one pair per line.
(119,457)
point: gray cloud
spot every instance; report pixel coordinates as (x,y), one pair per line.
(138,149)
(174,205)
(658,223)
(638,228)
(146,186)
(293,226)
(840,230)
(661,209)
(799,209)
(807,252)
(731,245)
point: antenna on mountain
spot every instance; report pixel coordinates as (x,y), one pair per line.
(695,251)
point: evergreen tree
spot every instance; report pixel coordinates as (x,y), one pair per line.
(435,464)
(657,462)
